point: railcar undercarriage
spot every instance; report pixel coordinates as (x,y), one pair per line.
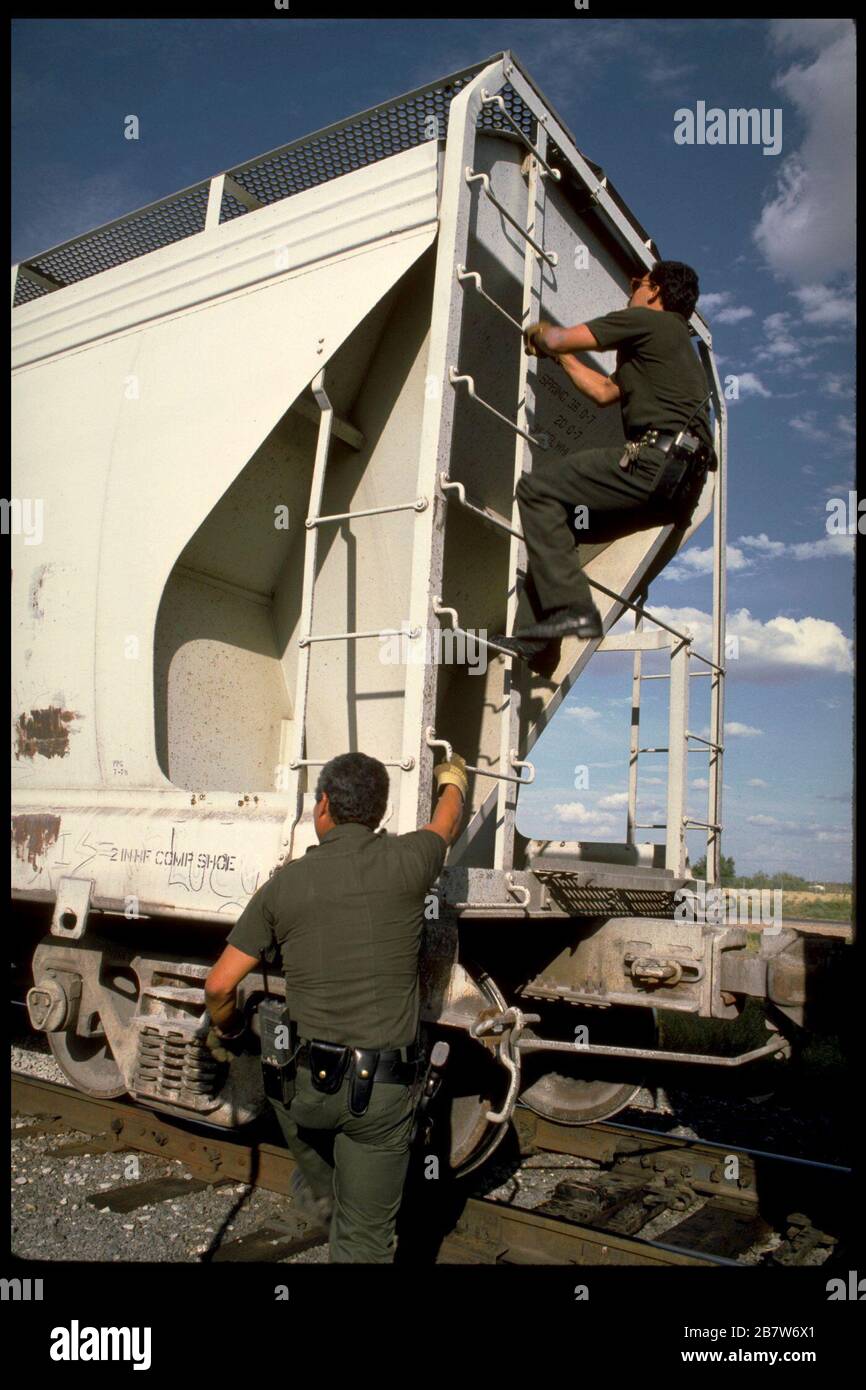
(560,1016)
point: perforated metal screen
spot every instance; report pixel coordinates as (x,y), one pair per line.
(361,140)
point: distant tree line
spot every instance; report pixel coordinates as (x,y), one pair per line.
(791,882)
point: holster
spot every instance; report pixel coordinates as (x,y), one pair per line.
(364,1064)
(279,1046)
(328,1063)
(680,472)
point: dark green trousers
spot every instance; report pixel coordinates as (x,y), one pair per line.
(618,501)
(360,1160)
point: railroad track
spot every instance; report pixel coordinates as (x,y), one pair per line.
(649,1199)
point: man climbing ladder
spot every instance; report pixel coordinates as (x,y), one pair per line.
(657,479)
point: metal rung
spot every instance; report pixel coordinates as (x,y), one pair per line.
(488,100)
(418,505)
(701,824)
(665,676)
(490,516)
(652,750)
(512,888)
(433,742)
(352,636)
(454,377)
(439,610)
(719,747)
(484,179)
(650,825)
(659,622)
(406,763)
(463,275)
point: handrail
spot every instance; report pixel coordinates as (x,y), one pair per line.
(503,906)
(593,583)
(406,764)
(488,100)
(353,636)
(439,609)
(463,275)
(455,377)
(418,505)
(659,622)
(447,485)
(720,747)
(550,256)
(433,742)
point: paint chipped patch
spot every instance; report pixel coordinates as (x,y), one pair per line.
(44,731)
(36,590)
(32,835)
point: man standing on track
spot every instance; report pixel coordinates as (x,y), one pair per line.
(347,918)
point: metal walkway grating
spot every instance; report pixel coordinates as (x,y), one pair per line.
(360,141)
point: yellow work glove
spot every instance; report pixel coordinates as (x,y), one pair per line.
(453,772)
(223,1047)
(534,349)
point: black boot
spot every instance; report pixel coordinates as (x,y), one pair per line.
(564,622)
(540,654)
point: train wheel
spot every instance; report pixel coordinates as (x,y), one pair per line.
(576,1090)
(475,1082)
(88,1063)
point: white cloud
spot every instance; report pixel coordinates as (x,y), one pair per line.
(841,433)
(708,303)
(827,547)
(582,712)
(757,782)
(748,384)
(694,561)
(614,799)
(719,309)
(734,314)
(835,384)
(733,729)
(805,424)
(573,811)
(762,820)
(785,345)
(589,820)
(662,70)
(688,563)
(773,649)
(806,227)
(822,305)
(815,34)
(700,784)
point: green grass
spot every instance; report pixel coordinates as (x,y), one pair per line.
(824,909)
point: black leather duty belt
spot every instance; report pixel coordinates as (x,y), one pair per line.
(663,440)
(399,1065)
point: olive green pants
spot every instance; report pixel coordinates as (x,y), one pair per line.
(360,1160)
(618,501)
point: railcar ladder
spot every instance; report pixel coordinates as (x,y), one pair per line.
(460,178)
(536,167)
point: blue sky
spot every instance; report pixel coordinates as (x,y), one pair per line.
(772,237)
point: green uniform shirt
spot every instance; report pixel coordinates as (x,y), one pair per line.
(348,918)
(657,371)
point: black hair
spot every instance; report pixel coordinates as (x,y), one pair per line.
(357,788)
(678,284)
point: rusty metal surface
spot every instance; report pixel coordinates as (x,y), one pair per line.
(44,731)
